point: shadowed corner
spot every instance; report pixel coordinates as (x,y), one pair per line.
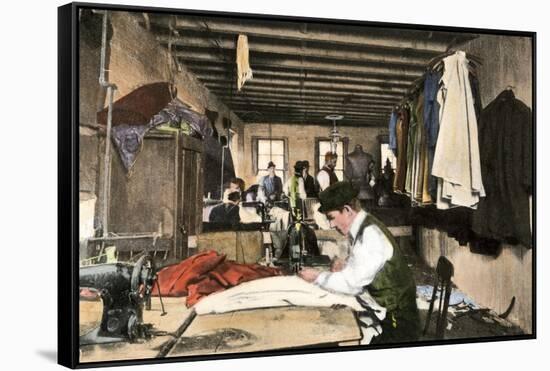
(50,355)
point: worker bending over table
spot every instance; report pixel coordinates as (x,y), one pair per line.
(375,264)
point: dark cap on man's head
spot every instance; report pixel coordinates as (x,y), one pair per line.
(271,164)
(337,196)
(299,166)
(234,196)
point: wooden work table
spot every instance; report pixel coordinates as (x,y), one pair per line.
(234,332)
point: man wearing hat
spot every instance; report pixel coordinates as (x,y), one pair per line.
(294,188)
(270,185)
(375,264)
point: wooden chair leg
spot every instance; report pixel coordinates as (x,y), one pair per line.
(442,324)
(430,309)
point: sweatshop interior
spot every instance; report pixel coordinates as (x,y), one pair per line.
(206,142)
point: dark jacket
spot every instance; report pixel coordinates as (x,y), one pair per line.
(505,145)
(311,186)
(225,214)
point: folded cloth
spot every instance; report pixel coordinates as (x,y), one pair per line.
(205,273)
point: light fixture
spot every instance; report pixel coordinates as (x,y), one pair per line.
(334,134)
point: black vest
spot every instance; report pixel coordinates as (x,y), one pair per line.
(394,288)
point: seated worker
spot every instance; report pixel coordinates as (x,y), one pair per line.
(270,185)
(228,212)
(375,264)
(235,185)
(294,187)
(326,176)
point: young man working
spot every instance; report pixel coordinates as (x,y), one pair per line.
(375,264)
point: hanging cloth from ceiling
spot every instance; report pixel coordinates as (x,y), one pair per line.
(456,159)
(244,72)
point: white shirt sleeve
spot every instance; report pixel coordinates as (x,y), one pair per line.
(323,179)
(366,259)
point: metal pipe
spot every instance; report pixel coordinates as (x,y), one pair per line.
(115,238)
(221,181)
(107,158)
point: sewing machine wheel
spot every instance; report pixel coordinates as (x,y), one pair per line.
(143,278)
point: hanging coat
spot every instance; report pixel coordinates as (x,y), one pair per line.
(506,145)
(456,159)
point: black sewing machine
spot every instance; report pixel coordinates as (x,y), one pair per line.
(124,289)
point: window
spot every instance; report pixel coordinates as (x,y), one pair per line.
(323,146)
(267,150)
(387,153)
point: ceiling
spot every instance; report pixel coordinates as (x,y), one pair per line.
(303,72)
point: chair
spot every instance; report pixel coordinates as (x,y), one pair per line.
(444,271)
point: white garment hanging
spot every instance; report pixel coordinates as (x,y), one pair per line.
(456,159)
(244,72)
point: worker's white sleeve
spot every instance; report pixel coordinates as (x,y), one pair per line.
(323,179)
(365,261)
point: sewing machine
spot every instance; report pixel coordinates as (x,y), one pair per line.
(124,289)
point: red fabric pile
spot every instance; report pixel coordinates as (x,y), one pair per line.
(203,274)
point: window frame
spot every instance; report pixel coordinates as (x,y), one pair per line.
(383,139)
(255,167)
(344,140)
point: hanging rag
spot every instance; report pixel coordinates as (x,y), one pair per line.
(244,72)
(456,160)
(128,139)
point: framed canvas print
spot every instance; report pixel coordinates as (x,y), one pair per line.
(238,185)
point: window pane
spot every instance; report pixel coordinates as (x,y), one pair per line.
(324,147)
(263,160)
(386,153)
(277,147)
(279,162)
(339,174)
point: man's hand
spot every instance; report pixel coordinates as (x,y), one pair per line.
(308,274)
(337,264)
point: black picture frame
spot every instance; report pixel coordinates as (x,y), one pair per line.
(68,184)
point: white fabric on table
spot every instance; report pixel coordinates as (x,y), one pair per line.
(284,291)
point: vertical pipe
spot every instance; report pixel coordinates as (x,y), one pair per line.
(221,182)
(107,158)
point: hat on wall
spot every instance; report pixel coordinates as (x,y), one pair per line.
(336,196)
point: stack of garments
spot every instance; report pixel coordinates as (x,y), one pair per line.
(451,154)
(435,139)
